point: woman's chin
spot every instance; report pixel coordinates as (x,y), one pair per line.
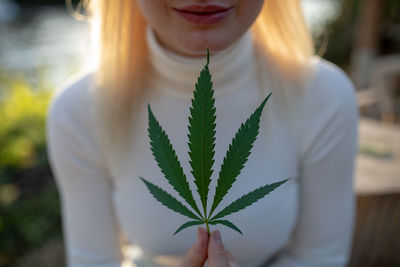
(198,48)
(194,42)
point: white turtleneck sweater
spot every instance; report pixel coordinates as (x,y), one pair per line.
(312,137)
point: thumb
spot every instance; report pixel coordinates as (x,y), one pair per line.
(216,251)
(197,254)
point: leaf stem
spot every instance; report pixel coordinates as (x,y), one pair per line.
(208,228)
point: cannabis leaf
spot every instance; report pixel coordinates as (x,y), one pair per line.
(168,161)
(188,224)
(237,154)
(247,199)
(168,200)
(201,151)
(202,134)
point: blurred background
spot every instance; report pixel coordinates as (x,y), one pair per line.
(41,45)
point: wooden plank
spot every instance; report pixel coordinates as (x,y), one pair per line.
(376,239)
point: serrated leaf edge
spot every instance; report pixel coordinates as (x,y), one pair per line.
(181,209)
(225,182)
(180,185)
(202,147)
(226,223)
(188,224)
(242,202)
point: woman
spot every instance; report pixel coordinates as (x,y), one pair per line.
(151,51)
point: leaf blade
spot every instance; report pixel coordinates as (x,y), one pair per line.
(226,223)
(167,160)
(237,154)
(187,224)
(248,199)
(169,201)
(202,133)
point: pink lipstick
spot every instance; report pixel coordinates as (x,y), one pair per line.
(207,14)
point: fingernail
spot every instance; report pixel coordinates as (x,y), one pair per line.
(200,243)
(198,232)
(217,236)
(202,231)
(198,235)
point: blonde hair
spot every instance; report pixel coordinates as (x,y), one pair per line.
(280,33)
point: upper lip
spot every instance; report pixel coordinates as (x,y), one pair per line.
(203,8)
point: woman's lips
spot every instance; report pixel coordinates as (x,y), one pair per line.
(208,14)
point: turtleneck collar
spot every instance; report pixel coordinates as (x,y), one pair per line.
(177,74)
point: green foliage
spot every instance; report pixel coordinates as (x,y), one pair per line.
(28,223)
(29,202)
(201,151)
(340,34)
(22,127)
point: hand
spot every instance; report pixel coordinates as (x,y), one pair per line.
(208,247)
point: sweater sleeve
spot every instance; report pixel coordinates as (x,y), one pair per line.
(328,132)
(89,225)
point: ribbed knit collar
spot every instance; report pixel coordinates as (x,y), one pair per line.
(176,74)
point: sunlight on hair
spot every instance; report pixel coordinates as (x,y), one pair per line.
(91,61)
(94,58)
(282,31)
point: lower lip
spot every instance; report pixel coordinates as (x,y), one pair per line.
(206,18)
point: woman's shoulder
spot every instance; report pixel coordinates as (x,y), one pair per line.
(70,124)
(329,85)
(73,96)
(330,102)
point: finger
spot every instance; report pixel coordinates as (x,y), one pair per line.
(231,260)
(216,251)
(197,254)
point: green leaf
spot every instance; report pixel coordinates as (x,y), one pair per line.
(248,199)
(202,133)
(226,223)
(168,200)
(237,154)
(167,160)
(201,152)
(188,224)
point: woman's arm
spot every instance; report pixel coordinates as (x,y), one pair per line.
(328,130)
(89,224)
